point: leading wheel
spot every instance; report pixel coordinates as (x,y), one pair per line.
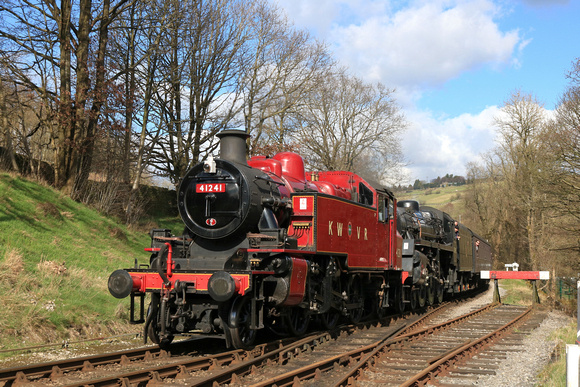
(153,323)
(240,321)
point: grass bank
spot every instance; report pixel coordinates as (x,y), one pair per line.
(448,199)
(55,259)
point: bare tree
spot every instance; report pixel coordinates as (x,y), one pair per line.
(565,180)
(206,44)
(509,192)
(493,211)
(65,43)
(525,163)
(286,65)
(7,154)
(346,118)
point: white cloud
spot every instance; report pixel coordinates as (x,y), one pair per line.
(415,46)
(322,15)
(419,45)
(425,44)
(435,146)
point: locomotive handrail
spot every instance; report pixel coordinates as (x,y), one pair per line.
(269,180)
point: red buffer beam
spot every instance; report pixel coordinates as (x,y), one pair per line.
(525,275)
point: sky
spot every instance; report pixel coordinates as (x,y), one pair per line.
(453,63)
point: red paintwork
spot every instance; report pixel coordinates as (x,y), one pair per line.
(143,281)
(326,219)
(526,275)
(170,264)
(169,259)
(288,167)
(333,226)
(216,187)
(297,282)
(266,165)
(329,221)
(331,189)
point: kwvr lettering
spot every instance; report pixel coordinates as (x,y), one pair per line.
(339,228)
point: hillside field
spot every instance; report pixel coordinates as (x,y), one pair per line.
(448,199)
(55,259)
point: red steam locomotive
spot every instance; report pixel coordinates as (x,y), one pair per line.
(267,245)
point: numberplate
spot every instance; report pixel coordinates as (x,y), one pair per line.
(216,187)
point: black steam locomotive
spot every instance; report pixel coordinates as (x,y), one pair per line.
(440,254)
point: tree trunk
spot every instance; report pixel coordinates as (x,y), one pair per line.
(9,156)
(85,155)
(63,136)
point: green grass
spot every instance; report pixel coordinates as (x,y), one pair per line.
(554,375)
(55,259)
(448,199)
(518,292)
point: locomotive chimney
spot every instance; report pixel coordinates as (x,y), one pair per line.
(233,145)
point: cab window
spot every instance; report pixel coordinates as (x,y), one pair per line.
(385,209)
(365,195)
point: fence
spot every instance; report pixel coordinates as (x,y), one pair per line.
(566,288)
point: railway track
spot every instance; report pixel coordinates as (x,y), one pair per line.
(404,352)
(435,351)
(71,371)
(390,360)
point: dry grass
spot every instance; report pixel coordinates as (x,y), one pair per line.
(49,210)
(12,265)
(51,267)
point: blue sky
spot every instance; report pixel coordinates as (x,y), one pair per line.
(452,62)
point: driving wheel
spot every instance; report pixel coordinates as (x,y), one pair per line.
(240,321)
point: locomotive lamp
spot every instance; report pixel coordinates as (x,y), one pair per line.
(209,165)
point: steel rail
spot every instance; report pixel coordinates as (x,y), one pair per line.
(364,354)
(239,361)
(325,365)
(438,365)
(382,347)
(45,369)
(232,373)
